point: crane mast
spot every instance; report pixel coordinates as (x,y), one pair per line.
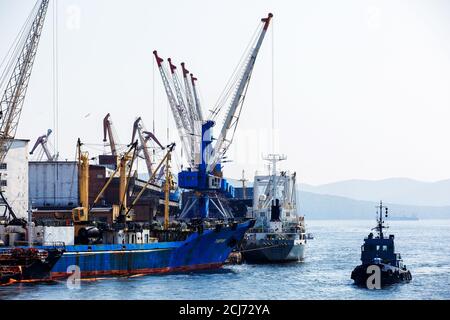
(196,99)
(177,112)
(189,99)
(144,137)
(42,141)
(186,114)
(222,143)
(13,97)
(16,88)
(187,117)
(194,112)
(108,132)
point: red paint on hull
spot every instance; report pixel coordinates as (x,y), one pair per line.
(147,271)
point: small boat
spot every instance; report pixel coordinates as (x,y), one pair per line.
(380,264)
(28,263)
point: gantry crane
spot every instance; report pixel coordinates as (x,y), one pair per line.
(13,97)
(43,142)
(205,176)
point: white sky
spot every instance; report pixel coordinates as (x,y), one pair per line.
(361,87)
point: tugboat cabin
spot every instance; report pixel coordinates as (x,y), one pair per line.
(375,248)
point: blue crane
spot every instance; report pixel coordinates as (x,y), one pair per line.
(204,175)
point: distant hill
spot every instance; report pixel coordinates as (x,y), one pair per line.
(395,190)
(320,206)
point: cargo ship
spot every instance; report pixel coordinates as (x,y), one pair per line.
(279,232)
(128,247)
(201,250)
(103,233)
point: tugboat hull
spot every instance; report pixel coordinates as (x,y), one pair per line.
(273,252)
(389,275)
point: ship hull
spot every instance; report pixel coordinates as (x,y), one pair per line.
(26,267)
(204,251)
(273,252)
(388,275)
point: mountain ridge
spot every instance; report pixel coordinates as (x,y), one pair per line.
(320,206)
(404,191)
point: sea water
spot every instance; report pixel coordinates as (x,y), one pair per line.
(325,274)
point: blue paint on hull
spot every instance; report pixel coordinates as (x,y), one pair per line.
(199,251)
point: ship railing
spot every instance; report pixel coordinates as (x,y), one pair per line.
(268,230)
(55,245)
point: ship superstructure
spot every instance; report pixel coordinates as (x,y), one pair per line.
(279,231)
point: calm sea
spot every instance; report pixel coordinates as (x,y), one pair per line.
(325,273)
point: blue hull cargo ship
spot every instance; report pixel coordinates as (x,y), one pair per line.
(199,251)
(107,235)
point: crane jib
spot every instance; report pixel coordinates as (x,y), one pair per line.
(238,98)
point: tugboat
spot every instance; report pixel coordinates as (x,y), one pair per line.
(378,251)
(279,231)
(28,264)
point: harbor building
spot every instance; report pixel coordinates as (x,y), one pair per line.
(14,177)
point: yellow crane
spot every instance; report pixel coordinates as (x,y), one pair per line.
(81,213)
(169,184)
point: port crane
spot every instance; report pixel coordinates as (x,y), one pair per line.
(43,142)
(144,138)
(11,103)
(109,134)
(204,175)
(81,213)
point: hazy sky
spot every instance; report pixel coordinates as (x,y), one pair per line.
(362,88)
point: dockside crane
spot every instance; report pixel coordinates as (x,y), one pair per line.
(80,215)
(43,142)
(196,98)
(144,137)
(14,94)
(232,117)
(108,134)
(195,112)
(205,178)
(178,112)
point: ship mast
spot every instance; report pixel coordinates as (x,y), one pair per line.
(380,222)
(273,159)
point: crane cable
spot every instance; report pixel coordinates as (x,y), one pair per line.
(14,51)
(236,75)
(55,61)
